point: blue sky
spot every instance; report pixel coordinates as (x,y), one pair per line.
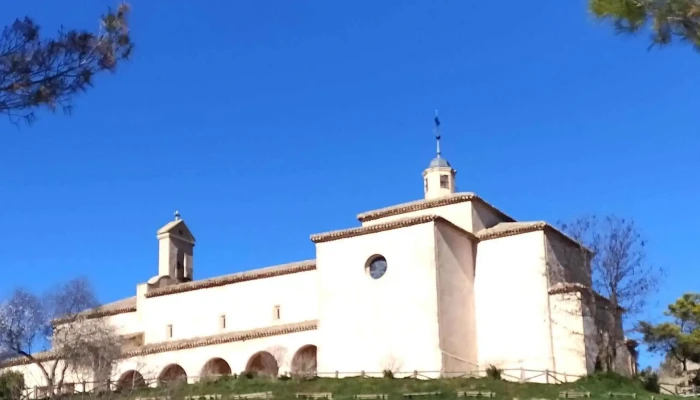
(266,121)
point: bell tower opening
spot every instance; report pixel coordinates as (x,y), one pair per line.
(176,251)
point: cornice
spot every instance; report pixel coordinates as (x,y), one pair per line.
(427,204)
(387,226)
(284,269)
(186,344)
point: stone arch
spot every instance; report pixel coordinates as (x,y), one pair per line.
(263,363)
(172,374)
(129,380)
(216,367)
(304,361)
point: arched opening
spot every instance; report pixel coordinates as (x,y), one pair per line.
(172,374)
(216,367)
(304,361)
(263,363)
(130,380)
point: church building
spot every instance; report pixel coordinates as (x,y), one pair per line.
(447,285)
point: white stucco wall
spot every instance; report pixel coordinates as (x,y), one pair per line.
(566,261)
(445,304)
(598,321)
(375,324)
(246,305)
(455,291)
(568,333)
(236,354)
(126,323)
(484,217)
(512,310)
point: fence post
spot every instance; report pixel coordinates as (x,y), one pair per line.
(522,374)
(84,386)
(336,374)
(565,378)
(415,374)
(546,375)
(362,374)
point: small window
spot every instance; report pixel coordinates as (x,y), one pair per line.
(444,181)
(222,322)
(376,266)
(425,183)
(169,332)
(276,315)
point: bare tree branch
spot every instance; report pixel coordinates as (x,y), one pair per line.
(77,344)
(620,279)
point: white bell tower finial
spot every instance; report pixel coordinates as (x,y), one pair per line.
(439,177)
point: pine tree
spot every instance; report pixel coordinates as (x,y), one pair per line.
(666,19)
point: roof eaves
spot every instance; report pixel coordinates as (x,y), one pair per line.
(269,272)
(365,230)
(507,230)
(524,227)
(427,204)
(223,338)
(107,310)
(186,343)
(414,206)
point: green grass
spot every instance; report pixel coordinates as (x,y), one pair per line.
(345,388)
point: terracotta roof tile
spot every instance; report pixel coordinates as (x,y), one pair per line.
(505,229)
(222,338)
(387,226)
(278,270)
(568,287)
(190,343)
(426,204)
(571,287)
(41,357)
(118,307)
(509,229)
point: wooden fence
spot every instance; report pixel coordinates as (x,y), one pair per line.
(515,375)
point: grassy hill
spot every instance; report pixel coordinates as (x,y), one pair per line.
(346,388)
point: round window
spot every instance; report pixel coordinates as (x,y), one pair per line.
(376,267)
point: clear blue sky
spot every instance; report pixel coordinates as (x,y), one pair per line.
(266,121)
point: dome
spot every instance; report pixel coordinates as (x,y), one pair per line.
(439,162)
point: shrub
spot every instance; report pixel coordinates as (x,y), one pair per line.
(11,385)
(607,379)
(248,375)
(493,372)
(388,374)
(650,380)
(284,377)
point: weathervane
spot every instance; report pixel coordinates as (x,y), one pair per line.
(437,132)
(177,215)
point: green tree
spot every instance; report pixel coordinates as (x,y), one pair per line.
(680,338)
(36,71)
(667,19)
(11,385)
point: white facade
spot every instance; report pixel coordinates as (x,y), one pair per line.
(465,287)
